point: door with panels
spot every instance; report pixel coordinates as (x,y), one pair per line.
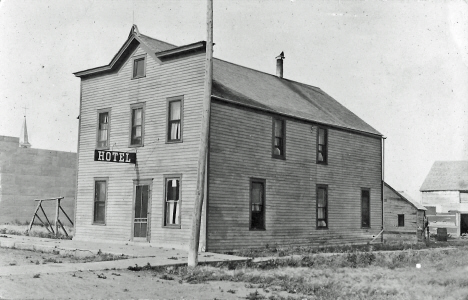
(141,210)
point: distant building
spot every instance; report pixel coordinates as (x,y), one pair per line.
(403,217)
(445,191)
(27,174)
(287,163)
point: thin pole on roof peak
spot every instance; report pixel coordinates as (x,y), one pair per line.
(204,135)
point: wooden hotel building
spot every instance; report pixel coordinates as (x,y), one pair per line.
(287,164)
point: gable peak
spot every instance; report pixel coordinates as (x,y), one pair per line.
(134,31)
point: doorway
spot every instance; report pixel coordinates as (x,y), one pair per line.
(464,224)
(141,215)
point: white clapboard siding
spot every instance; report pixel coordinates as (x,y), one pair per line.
(240,148)
(178,77)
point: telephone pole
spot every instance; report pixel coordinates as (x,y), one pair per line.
(197,210)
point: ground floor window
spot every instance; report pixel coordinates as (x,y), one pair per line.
(172,201)
(365,208)
(401,220)
(100,198)
(257,204)
(322,206)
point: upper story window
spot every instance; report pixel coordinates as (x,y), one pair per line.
(174,119)
(103,129)
(322,145)
(279,138)
(139,67)
(365,208)
(137,126)
(322,206)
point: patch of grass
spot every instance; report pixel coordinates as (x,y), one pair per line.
(51,260)
(278,251)
(255,296)
(326,276)
(140,268)
(19,228)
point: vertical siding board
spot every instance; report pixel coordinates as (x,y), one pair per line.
(241,148)
(183,76)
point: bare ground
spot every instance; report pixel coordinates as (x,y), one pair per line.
(442,275)
(121,284)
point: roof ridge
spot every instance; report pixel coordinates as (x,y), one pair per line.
(169,44)
(281,78)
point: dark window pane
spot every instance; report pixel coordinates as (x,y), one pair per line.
(172,209)
(322,145)
(278,141)
(103,129)
(174,110)
(100,191)
(173,189)
(258,208)
(137,121)
(99,212)
(174,120)
(138,204)
(139,67)
(365,208)
(322,207)
(99,201)
(278,128)
(144,201)
(401,220)
(321,136)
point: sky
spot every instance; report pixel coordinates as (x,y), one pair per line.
(402,66)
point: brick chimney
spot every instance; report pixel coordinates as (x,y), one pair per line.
(279,65)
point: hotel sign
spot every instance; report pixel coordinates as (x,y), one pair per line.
(115,156)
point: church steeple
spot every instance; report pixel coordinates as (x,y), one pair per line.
(23,140)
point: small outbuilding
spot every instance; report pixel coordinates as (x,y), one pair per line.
(403,216)
(445,193)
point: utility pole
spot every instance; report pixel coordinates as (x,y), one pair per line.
(197,210)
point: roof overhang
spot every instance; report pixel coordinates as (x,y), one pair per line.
(134,40)
(268,110)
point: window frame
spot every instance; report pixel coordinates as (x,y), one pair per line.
(168,120)
(100,111)
(134,60)
(325,157)
(273,137)
(134,106)
(369,212)
(317,188)
(398,220)
(165,179)
(106,180)
(251,181)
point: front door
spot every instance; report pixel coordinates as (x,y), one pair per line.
(141,215)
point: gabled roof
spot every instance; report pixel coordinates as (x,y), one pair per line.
(405,197)
(268,92)
(156,45)
(244,86)
(447,176)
